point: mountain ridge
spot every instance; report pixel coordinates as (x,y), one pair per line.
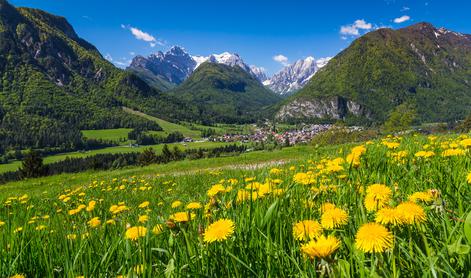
(225,93)
(175,66)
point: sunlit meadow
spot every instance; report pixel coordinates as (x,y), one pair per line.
(397,207)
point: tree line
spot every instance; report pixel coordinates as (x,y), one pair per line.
(142,137)
(33,166)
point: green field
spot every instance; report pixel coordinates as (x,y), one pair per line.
(397,207)
(167,127)
(116,135)
(193,129)
(13,166)
(59,182)
(120,135)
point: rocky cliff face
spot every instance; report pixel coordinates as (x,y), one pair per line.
(336,108)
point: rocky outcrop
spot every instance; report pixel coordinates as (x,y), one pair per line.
(331,108)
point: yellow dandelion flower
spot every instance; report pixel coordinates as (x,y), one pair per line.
(18,276)
(327,206)
(373,238)
(182,216)
(424,154)
(91,206)
(40,228)
(388,216)
(453,152)
(468,177)
(377,196)
(249,179)
(242,195)
(143,218)
(194,205)
(334,218)
(94,222)
(421,196)
(71,236)
(411,213)
(391,145)
(275,171)
(219,231)
(115,209)
(136,232)
(466,143)
(355,155)
(111,222)
(176,204)
(144,204)
(139,269)
(304,178)
(216,189)
(18,230)
(306,229)
(321,247)
(157,229)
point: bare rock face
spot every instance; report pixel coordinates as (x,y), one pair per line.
(332,108)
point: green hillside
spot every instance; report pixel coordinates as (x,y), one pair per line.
(224,94)
(53,83)
(421,65)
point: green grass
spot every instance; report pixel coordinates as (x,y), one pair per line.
(116,135)
(167,127)
(60,182)
(13,166)
(193,130)
(120,135)
(263,243)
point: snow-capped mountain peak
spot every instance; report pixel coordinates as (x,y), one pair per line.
(176,65)
(232,59)
(293,77)
(259,73)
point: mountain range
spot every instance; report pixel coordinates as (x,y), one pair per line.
(424,66)
(176,65)
(166,70)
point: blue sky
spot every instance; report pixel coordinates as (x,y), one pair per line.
(258,30)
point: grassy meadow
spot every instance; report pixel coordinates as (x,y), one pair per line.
(396,207)
(15,165)
(116,135)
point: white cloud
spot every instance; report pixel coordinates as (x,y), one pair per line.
(401,19)
(143,36)
(354,29)
(405,9)
(281,59)
(349,30)
(361,24)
